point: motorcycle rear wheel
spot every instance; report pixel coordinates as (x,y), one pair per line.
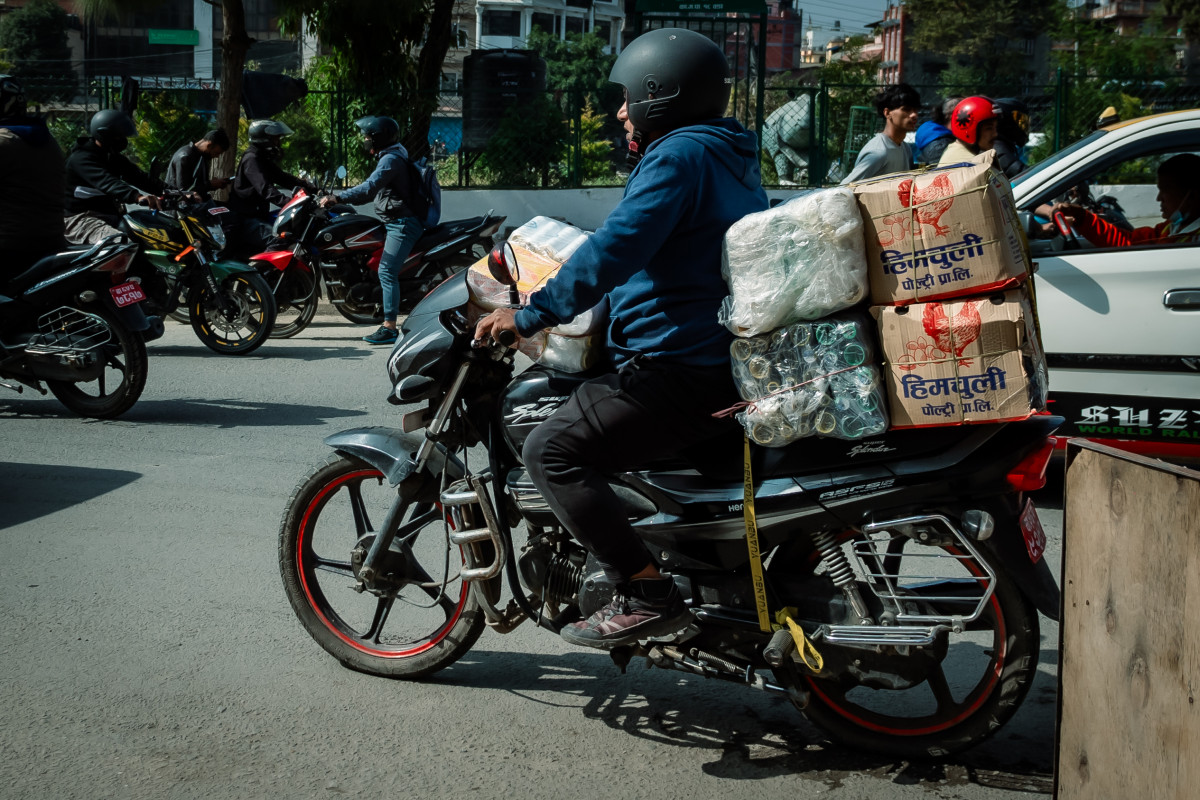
(361,313)
(991,666)
(296,299)
(330,512)
(126,363)
(249,325)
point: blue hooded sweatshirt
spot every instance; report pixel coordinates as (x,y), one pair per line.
(928,132)
(658,255)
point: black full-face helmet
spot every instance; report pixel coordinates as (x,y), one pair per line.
(1013,123)
(672,77)
(112,128)
(12,97)
(378,132)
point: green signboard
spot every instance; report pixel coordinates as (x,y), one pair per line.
(704,6)
(161,36)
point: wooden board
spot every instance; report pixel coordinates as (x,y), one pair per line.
(1129,673)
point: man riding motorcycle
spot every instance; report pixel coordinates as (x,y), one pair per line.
(658,259)
(259,183)
(101,181)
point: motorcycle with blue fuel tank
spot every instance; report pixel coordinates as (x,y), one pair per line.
(889,588)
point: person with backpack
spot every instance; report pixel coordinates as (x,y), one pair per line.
(395,186)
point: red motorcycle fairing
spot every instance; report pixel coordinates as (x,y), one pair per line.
(280,259)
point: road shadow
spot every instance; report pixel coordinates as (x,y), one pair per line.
(271,350)
(36,490)
(749,735)
(234,413)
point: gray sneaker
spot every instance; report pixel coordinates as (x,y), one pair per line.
(641,609)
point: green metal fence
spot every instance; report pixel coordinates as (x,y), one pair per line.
(810,134)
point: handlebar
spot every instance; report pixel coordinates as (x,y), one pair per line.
(506,338)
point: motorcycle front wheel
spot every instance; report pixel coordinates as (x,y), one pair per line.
(120,384)
(973,682)
(242,323)
(425,624)
(296,299)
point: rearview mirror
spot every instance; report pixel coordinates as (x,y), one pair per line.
(341,173)
(502,264)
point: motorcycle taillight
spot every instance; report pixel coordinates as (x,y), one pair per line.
(1030,474)
(117,264)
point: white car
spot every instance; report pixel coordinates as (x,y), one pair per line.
(1121,326)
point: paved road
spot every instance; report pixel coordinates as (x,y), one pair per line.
(148,651)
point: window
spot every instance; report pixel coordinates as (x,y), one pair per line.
(575,24)
(546,23)
(501,23)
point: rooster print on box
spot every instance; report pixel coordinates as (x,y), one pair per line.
(962,361)
(941,233)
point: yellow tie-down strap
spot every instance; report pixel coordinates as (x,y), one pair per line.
(807,651)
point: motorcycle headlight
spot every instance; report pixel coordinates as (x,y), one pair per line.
(218,235)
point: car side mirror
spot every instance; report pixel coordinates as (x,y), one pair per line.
(502,264)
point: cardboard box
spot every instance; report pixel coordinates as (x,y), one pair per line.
(956,362)
(941,233)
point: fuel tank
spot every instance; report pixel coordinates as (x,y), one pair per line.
(530,398)
(350,233)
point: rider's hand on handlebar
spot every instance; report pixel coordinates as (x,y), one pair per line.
(150,201)
(328,200)
(498,326)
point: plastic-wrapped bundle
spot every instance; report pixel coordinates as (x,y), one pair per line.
(810,379)
(549,237)
(802,260)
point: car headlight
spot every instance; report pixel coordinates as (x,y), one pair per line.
(218,235)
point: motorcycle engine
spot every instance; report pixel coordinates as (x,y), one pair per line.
(552,566)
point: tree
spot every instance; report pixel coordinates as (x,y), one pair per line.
(235,43)
(983,35)
(388,53)
(34,40)
(1188,12)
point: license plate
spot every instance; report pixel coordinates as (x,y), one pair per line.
(127,294)
(1031,529)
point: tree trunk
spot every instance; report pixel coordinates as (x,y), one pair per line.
(235,43)
(429,77)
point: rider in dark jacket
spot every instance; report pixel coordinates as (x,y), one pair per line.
(261,182)
(31,210)
(101,181)
(189,167)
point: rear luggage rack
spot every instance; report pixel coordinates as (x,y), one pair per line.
(68,330)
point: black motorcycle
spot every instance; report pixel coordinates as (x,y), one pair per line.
(74,322)
(343,248)
(901,575)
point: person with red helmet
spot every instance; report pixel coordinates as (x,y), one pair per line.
(973,124)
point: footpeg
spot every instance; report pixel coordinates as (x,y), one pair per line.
(782,645)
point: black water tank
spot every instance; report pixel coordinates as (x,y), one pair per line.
(494,80)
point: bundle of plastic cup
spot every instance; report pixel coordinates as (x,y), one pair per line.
(802,260)
(810,379)
(549,237)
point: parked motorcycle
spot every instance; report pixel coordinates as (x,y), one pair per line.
(901,573)
(74,322)
(229,305)
(343,248)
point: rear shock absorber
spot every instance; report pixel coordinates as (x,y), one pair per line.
(841,573)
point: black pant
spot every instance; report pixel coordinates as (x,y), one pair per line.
(619,422)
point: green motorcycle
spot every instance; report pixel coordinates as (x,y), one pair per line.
(230,306)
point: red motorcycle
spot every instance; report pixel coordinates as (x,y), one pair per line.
(343,249)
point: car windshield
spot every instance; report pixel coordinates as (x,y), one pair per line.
(1038,167)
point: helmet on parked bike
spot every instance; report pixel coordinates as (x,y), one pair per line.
(672,77)
(378,132)
(12,97)
(964,123)
(268,134)
(1013,120)
(112,128)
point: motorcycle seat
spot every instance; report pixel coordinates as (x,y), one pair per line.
(448,230)
(45,268)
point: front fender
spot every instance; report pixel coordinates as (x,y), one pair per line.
(392,452)
(223,268)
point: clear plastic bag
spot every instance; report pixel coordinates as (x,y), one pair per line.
(810,379)
(549,237)
(802,260)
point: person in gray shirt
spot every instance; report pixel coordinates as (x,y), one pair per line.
(887,152)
